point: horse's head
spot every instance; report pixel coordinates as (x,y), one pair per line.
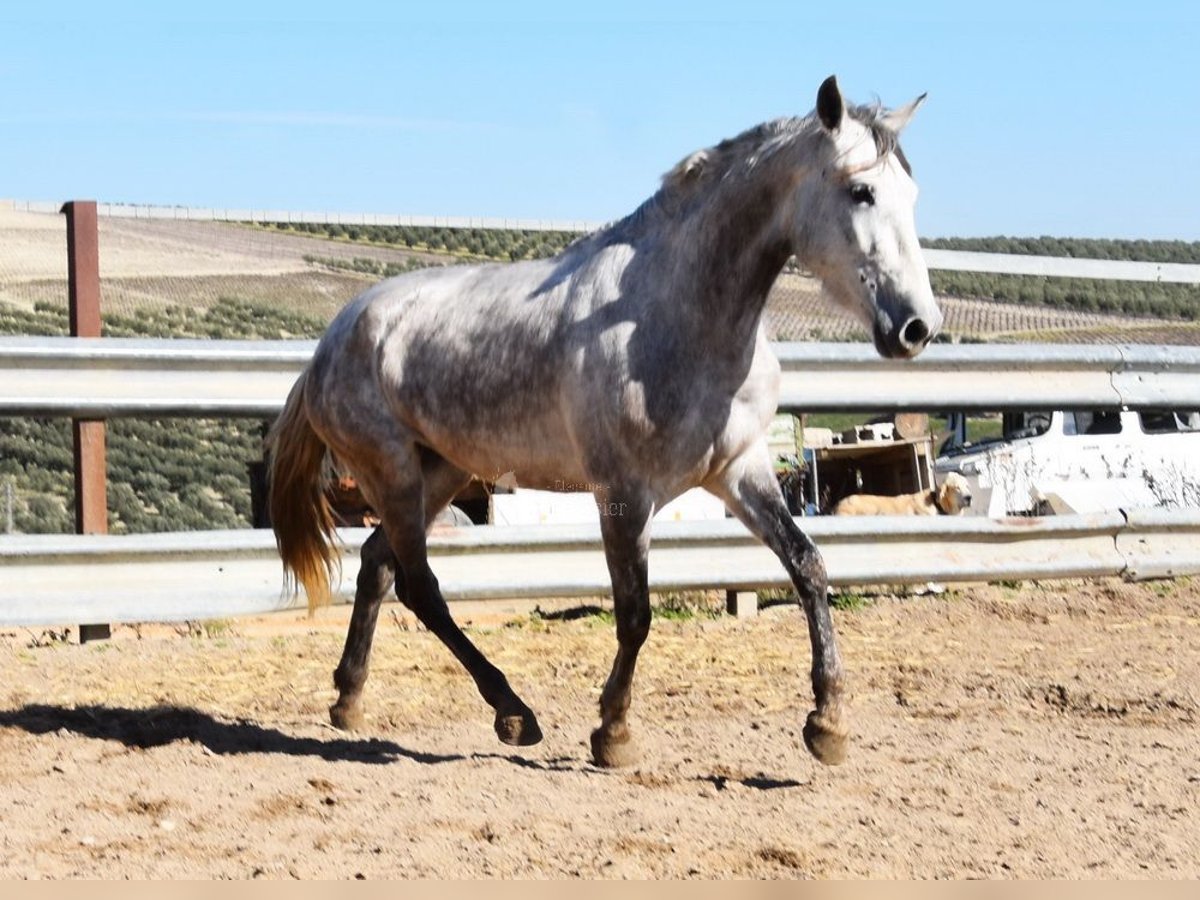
(858,234)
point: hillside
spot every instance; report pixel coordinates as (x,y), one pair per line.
(209,279)
(156,264)
(1140,299)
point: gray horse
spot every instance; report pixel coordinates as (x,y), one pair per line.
(633,362)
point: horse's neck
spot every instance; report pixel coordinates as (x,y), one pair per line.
(736,245)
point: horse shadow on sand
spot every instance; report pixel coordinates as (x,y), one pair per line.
(162,725)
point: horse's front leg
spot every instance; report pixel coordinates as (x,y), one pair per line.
(750,490)
(625,527)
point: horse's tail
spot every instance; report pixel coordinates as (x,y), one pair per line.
(300,512)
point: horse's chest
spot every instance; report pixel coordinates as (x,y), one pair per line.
(679,425)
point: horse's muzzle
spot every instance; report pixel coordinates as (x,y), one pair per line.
(906,341)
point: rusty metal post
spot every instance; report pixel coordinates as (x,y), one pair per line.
(83,292)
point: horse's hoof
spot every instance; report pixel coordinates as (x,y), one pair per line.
(828,742)
(520,730)
(347,718)
(614,752)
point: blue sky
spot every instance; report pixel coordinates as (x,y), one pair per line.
(1079,121)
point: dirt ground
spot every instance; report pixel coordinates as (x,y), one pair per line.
(1033,730)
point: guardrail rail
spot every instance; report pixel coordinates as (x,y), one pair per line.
(53,579)
(110,377)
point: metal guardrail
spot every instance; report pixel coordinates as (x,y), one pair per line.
(110,377)
(989,377)
(1062,266)
(103,378)
(53,579)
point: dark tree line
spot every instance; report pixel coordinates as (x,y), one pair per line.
(1135,298)
(1078,248)
(483,243)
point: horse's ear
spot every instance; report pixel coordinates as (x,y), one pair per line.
(688,169)
(897,120)
(830,106)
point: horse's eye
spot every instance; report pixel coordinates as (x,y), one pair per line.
(863,194)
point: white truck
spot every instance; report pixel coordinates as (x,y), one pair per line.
(1080,461)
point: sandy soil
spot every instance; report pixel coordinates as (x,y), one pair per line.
(1047,730)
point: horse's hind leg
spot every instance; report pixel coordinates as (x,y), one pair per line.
(750,490)
(378,570)
(402,508)
(375,575)
(515,722)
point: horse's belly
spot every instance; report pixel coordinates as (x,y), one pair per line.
(535,455)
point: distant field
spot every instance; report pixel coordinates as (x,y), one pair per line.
(157,264)
(797,311)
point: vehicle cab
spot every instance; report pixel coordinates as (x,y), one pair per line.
(1079,461)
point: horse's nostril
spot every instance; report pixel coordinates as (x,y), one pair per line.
(915,333)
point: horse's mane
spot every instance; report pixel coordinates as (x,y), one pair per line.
(887,141)
(738,155)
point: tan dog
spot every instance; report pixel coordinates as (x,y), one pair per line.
(950,500)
